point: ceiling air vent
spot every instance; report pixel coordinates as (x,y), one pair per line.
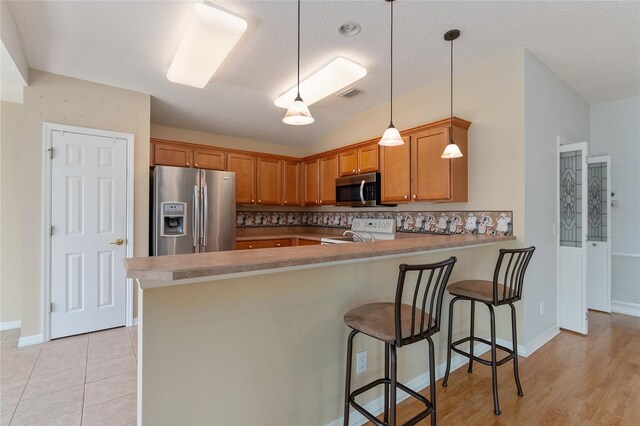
(349,93)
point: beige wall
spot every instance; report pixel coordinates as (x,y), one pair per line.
(271,349)
(63,100)
(184,135)
(11,119)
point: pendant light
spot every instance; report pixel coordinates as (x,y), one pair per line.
(451,150)
(298,114)
(391,136)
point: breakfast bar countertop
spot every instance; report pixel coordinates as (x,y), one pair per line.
(168,270)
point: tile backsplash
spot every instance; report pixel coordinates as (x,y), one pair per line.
(435,222)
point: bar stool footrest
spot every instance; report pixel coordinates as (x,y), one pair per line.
(382,381)
(507,358)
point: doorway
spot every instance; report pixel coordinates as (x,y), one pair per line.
(88,219)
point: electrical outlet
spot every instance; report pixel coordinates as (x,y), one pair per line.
(361,362)
(541,308)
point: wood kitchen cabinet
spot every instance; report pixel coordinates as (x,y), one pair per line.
(395,168)
(258,244)
(328,175)
(244,167)
(167,154)
(291,187)
(269,181)
(312,182)
(358,160)
(208,158)
(305,242)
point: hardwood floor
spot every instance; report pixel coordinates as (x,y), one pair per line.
(572,380)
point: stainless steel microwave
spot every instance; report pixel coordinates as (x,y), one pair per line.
(359,190)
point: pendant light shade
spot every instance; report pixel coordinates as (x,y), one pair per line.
(451,150)
(298,113)
(391,136)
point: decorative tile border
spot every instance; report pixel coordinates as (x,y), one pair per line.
(430,222)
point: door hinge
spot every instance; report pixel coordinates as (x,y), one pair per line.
(50,153)
(50,306)
(51,230)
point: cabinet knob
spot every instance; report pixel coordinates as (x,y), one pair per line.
(414,196)
(250,247)
(285,202)
(278,245)
(406,196)
(196,164)
(259,201)
(359,170)
(353,171)
(253,201)
(187,163)
(320,201)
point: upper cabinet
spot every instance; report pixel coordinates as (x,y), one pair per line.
(328,175)
(363,159)
(416,172)
(269,181)
(209,158)
(291,187)
(168,154)
(244,167)
(312,182)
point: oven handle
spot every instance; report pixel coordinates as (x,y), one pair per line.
(362,192)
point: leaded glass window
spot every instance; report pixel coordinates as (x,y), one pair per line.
(597,190)
(571,199)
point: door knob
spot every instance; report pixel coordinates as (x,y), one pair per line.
(594,244)
(118,242)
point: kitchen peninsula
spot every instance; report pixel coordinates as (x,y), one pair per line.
(257,336)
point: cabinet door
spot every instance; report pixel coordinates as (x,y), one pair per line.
(303,242)
(348,161)
(368,158)
(312,182)
(165,154)
(395,166)
(244,167)
(210,159)
(328,175)
(269,181)
(430,174)
(291,184)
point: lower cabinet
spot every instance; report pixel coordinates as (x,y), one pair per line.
(258,244)
(303,242)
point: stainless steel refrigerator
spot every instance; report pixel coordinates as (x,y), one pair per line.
(192,211)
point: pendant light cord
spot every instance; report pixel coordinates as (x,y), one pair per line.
(298,48)
(451,131)
(391,88)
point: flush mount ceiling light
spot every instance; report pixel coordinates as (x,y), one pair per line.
(451,150)
(298,113)
(210,36)
(329,79)
(391,136)
(349,29)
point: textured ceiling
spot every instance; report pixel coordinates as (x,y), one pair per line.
(593,46)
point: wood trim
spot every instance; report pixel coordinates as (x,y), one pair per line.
(223,149)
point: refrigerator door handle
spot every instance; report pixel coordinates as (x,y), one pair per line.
(205,215)
(196,211)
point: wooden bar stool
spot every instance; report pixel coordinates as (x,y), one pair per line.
(492,293)
(398,324)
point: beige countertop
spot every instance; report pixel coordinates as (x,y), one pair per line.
(168,269)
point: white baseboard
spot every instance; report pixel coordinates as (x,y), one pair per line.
(30,340)
(135,322)
(9,325)
(417,384)
(535,344)
(626,308)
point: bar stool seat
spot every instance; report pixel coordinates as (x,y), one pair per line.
(378,320)
(475,289)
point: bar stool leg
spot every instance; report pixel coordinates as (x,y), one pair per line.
(394,385)
(449,340)
(515,349)
(494,366)
(432,380)
(347,385)
(386,385)
(473,316)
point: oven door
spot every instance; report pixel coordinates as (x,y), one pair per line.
(358,190)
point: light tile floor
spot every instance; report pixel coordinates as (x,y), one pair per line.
(81,380)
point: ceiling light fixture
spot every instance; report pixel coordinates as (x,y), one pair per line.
(329,79)
(451,150)
(391,136)
(349,29)
(207,40)
(298,113)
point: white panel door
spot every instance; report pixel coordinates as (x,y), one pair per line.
(599,234)
(572,217)
(88,217)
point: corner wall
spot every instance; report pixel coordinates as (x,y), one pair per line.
(64,100)
(551,109)
(11,120)
(615,131)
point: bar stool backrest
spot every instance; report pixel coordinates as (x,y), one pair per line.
(511,266)
(427,297)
